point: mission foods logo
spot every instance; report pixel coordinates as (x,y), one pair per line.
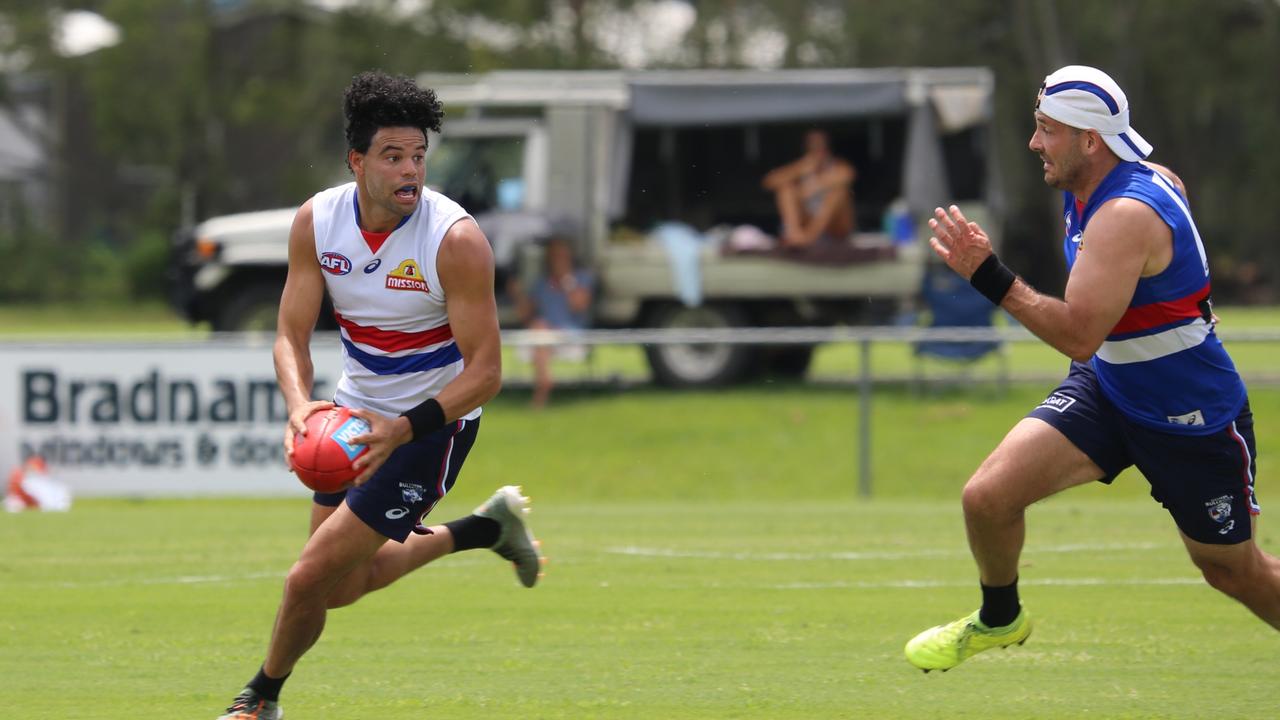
(406,276)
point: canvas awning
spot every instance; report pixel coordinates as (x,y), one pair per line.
(674,105)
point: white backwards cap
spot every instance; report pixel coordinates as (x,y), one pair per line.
(1088,99)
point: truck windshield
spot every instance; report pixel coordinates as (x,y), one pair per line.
(480,173)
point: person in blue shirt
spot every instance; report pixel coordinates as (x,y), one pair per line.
(1150,385)
(560,299)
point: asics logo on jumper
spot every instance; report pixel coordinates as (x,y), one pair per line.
(397,513)
(1058,402)
(368,269)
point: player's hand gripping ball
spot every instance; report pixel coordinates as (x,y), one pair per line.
(323,457)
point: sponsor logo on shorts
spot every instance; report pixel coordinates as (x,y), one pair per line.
(1219,509)
(406,276)
(411,493)
(1195,417)
(335,263)
(368,269)
(348,430)
(1058,402)
(397,513)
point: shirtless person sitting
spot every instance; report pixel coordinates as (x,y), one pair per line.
(814,194)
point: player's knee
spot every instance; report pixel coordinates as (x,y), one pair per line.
(1220,578)
(302,581)
(1230,579)
(981,499)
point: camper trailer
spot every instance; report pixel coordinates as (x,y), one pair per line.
(654,177)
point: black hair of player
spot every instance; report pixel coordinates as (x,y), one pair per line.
(376,100)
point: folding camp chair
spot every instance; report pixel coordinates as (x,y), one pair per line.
(953,303)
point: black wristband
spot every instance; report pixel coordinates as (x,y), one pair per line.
(425,418)
(992,279)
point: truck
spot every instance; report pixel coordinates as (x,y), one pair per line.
(618,161)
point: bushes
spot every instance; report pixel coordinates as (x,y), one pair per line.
(39,269)
(35,269)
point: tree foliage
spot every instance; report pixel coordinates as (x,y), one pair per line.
(213,106)
(1200,78)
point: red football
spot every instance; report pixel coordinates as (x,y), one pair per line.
(322,458)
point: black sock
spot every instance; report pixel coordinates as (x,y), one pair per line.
(268,688)
(473,531)
(1000,605)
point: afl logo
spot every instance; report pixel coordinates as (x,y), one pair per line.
(368,269)
(335,263)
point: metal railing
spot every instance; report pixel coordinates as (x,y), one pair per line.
(863,336)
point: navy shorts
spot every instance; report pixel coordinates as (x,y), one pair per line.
(418,474)
(1204,481)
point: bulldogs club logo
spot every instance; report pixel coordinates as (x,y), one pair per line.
(412,493)
(1220,512)
(406,276)
(1195,417)
(335,263)
(1219,508)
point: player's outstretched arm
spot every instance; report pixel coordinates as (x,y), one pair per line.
(299,308)
(465,266)
(1124,242)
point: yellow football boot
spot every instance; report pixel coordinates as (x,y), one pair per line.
(946,646)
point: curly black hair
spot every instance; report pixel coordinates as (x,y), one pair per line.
(376,100)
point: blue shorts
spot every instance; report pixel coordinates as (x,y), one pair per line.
(398,497)
(1204,481)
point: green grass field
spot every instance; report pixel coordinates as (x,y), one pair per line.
(93,320)
(709,559)
(651,609)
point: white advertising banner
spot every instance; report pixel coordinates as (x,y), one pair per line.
(153,418)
